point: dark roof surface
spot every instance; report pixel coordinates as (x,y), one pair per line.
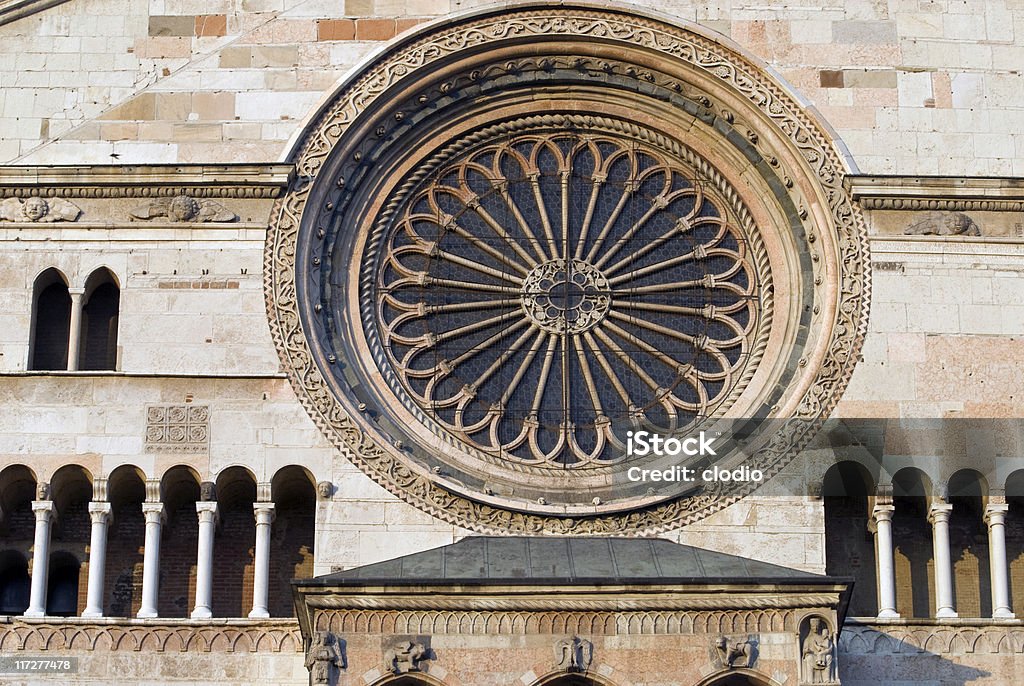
(532,559)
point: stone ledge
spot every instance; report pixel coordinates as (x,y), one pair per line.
(950,193)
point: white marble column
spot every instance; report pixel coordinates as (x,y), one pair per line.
(75,335)
(938,515)
(995,517)
(151,559)
(882,515)
(207,512)
(99,512)
(43,510)
(261,581)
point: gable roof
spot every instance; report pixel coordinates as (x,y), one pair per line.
(533,559)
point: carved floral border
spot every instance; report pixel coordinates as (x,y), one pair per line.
(717,63)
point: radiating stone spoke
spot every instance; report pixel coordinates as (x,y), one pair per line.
(544,278)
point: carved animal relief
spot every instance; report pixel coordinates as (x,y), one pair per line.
(943,224)
(404,656)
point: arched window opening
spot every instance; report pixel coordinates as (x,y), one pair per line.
(1015,539)
(291,545)
(849,542)
(180,486)
(51,317)
(968,543)
(98,350)
(125,542)
(235,543)
(62,585)
(71,492)
(14,583)
(912,544)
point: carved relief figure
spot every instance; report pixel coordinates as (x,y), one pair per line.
(573,654)
(405,657)
(943,224)
(324,654)
(818,654)
(184,208)
(734,652)
(37,209)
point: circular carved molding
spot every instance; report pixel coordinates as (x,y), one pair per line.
(517,234)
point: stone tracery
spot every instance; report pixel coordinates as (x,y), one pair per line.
(551,265)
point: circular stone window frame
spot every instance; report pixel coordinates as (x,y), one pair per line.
(731,96)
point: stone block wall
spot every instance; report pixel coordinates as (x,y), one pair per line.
(911,87)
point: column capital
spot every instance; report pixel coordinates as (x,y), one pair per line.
(43,509)
(154,512)
(995,513)
(939,512)
(882,512)
(207,511)
(76,292)
(264,512)
(99,512)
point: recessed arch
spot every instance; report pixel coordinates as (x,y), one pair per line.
(180,489)
(126,491)
(293,491)
(14,582)
(738,677)
(64,584)
(968,492)
(847,491)
(235,542)
(912,543)
(100,316)
(51,322)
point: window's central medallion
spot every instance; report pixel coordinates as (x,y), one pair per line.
(566,297)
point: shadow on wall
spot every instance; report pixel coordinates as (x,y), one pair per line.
(869,657)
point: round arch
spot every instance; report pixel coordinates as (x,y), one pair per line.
(561,678)
(738,677)
(451,94)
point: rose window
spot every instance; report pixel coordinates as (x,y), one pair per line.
(540,294)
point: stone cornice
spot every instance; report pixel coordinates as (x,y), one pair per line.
(948,193)
(145,181)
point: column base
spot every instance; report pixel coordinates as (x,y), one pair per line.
(147,614)
(259,613)
(34,613)
(946,613)
(1002,613)
(202,613)
(888,614)
(92,614)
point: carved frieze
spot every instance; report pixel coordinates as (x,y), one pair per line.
(943,224)
(407,654)
(184,208)
(573,654)
(325,657)
(178,428)
(730,652)
(38,210)
(817,652)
